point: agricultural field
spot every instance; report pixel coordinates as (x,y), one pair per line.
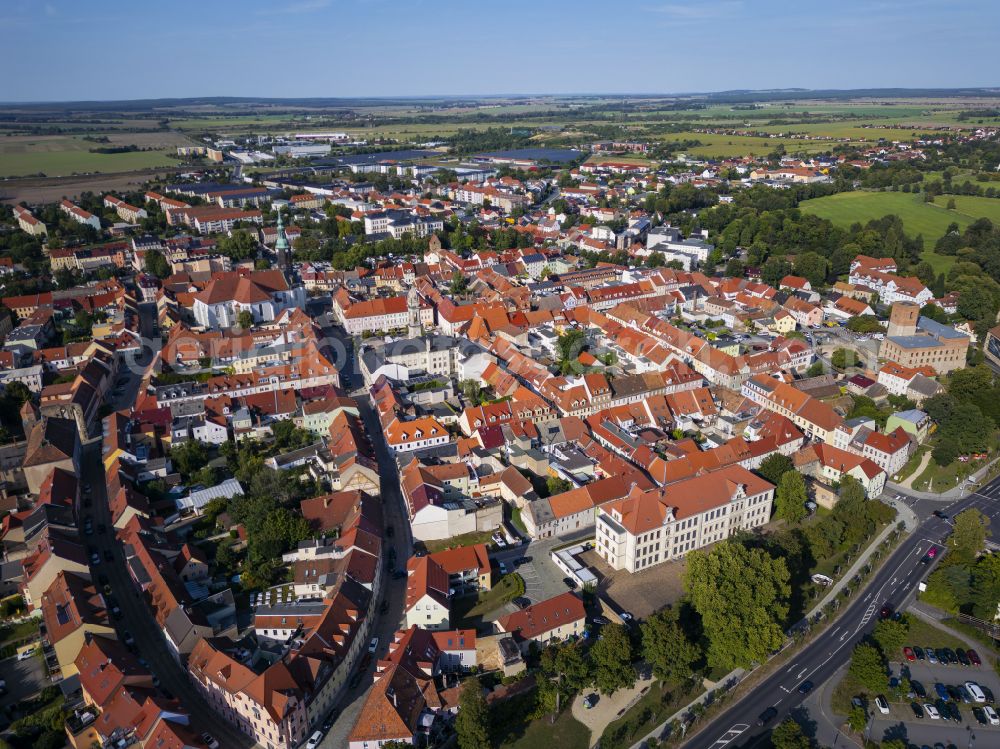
(737,145)
(58,155)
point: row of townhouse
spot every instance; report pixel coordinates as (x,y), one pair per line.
(125,211)
(76,213)
(817,419)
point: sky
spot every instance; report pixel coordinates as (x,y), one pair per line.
(59,50)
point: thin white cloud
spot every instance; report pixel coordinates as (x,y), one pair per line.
(693,12)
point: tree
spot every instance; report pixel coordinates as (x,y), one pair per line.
(188,457)
(742,597)
(472,722)
(790,498)
(868,667)
(815,369)
(788,735)
(857,719)
(612,659)
(891,634)
(459,284)
(556,485)
(968,537)
(667,648)
(155,264)
(574,669)
(813,267)
(843,358)
(245,319)
(775,466)
(569,346)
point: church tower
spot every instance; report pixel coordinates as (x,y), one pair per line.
(414,329)
(281,247)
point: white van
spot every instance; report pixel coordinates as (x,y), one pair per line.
(314,740)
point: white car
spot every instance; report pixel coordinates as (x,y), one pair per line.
(882,705)
(991,715)
(314,740)
(210,741)
(373,645)
(976,691)
(25,654)
(932,712)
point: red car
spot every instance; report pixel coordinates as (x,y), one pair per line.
(908,652)
(974,657)
(932,552)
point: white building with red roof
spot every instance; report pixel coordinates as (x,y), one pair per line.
(264,294)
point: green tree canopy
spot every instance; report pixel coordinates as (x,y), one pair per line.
(788,735)
(790,497)
(891,634)
(968,537)
(612,659)
(775,466)
(868,667)
(472,722)
(742,597)
(666,646)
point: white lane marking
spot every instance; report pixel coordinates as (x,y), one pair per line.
(731,735)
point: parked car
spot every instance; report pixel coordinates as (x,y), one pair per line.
(210,741)
(910,655)
(942,691)
(919,652)
(26,654)
(918,712)
(954,712)
(570,583)
(373,645)
(949,654)
(522,603)
(127,638)
(882,704)
(962,657)
(979,715)
(932,712)
(918,688)
(931,655)
(503,569)
(590,700)
(991,715)
(314,740)
(974,658)
(977,694)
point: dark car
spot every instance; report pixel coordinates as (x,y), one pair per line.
(939,514)
(767,716)
(918,712)
(974,658)
(805,687)
(918,688)
(943,658)
(956,714)
(521,602)
(949,654)
(384,607)
(954,694)
(980,716)
(962,657)
(919,652)
(521,560)
(570,582)
(942,691)
(886,611)
(988,693)
(328,723)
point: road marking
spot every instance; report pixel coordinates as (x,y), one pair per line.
(801,673)
(731,735)
(789,669)
(786,690)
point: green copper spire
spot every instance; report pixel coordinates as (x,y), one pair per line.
(281,245)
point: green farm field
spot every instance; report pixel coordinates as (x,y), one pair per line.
(62,156)
(971,207)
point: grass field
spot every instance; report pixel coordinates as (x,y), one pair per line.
(846,208)
(566,733)
(739,145)
(56,155)
(971,206)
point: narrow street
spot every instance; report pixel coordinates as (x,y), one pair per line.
(137,618)
(392,507)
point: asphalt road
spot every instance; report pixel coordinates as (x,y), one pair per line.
(895,583)
(137,618)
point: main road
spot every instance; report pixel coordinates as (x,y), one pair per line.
(894,584)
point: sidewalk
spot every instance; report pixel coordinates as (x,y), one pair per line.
(955,493)
(910,521)
(610,707)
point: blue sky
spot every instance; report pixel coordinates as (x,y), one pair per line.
(107,49)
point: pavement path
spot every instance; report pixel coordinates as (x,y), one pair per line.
(924,460)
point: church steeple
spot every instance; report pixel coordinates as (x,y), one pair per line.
(281,247)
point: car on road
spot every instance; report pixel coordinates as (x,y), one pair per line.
(805,687)
(910,655)
(626,616)
(974,658)
(210,740)
(882,704)
(932,552)
(384,607)
(767,716)
(328,723)
(991,715)
(356,679)
(373,645)
(918,712)
(399,574)
(932,712)
(939,514)
(886,611)
(314,740)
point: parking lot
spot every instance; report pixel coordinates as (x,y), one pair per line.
(24,678)
(903,724)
